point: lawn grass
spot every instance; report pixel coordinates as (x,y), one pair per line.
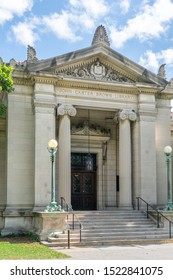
(26,249)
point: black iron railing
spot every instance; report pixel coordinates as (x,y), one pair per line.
(75,220)
(158,214)
(65,206)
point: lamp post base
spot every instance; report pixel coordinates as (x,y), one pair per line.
(54,207)
(168,207)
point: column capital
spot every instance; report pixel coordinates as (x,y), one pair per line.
(127,114)
(66,109)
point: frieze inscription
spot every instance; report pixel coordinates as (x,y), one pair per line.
(96,94)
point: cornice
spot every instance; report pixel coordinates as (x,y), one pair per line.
(23,81)
(167,92)
(165,96)
(76,83)
(44,78)
(32,78)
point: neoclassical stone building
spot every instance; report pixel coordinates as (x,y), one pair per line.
(111,118)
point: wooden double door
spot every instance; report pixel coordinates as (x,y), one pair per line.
(83,190)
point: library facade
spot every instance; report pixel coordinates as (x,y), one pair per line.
(111,119)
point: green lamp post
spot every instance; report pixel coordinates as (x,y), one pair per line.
(53,205)
(168,155)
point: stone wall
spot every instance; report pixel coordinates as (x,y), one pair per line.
(20,157)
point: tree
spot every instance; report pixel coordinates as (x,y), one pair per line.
(6,86)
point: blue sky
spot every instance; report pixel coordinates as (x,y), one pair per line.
(140,30)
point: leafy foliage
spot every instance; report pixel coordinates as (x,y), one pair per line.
(6,82)
(6,85)
(3,109)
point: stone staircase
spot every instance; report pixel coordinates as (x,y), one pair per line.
(109,227)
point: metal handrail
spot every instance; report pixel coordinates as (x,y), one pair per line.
(158,214)
(73,227)
(74,217)
(64,205)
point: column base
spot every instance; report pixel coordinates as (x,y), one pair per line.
(168,207)
(54,207)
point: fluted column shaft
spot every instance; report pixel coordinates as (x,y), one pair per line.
(125,116)
(64,151)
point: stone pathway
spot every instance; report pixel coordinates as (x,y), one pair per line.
(121,252)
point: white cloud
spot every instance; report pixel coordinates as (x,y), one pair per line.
(74,3)
(150,22)
(24,32)
(153,60)
(94,8)
(9,8)
(167,56)
(150,60)
(66,24)
(61,25)
(125,5)
(82,15)
(86,21)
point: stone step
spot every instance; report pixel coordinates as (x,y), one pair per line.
(113,222)
(114,215)
(117,228)
(133,235)
(100,240)
(112,232)
(103,227)
(108,237)
(110,220)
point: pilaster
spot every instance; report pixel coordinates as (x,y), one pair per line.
(44,109)
(163,138)
(147,148)
(3,164)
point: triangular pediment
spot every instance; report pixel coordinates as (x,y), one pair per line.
(95,69)
(96,63)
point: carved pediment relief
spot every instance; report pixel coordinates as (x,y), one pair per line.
(89,129)
(94,70)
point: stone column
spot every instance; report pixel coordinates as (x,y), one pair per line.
(125,116)
(65,111)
